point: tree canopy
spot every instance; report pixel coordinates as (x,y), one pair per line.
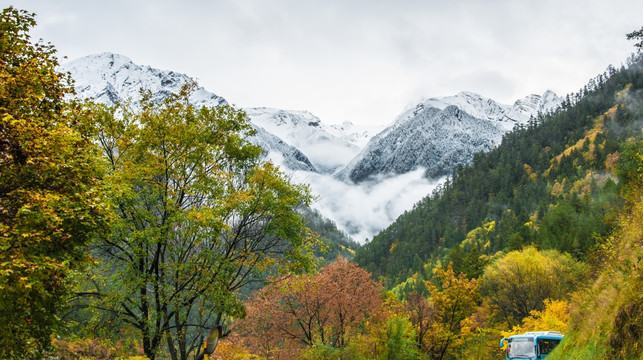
(50,200)
(636,35)
(305,311)
(520,281)
(199,216)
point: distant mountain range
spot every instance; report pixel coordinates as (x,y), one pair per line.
(439,133)
(435,135)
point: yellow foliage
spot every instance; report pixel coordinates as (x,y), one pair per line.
(622,95)
(590,137)
(582,186)
(532,175)
(541,275)
(229,350)
(558,188)
(479,236)
(554,317)
(344,248)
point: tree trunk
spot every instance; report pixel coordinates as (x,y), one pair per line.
(170,346)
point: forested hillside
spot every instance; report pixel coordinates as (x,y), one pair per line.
(549,184)
(548,225)
(607,316)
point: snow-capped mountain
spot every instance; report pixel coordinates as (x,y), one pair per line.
(507,116)
(403,162)
(326,148)
(109,78)
(439,133)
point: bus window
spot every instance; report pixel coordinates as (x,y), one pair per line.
(545,346)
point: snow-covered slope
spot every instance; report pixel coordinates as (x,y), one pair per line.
(109,78)
(280,152)
(326,149)
(403,162)
(439,133)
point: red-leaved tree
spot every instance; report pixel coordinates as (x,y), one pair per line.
(301,311)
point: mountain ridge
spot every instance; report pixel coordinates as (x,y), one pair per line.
(439,133)
(434,136)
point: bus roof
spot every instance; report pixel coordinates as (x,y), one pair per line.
(539,334)
(543,333)
(549,335)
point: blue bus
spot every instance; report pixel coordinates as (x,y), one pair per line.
(531,345)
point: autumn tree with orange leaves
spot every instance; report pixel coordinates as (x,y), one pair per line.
(298,312)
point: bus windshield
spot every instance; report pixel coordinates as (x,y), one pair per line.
(521,348)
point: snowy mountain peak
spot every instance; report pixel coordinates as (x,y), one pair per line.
(485,108)
(327,149)
(109,60)
(109,78)
(430,137)
(438,133)
(297,139)
(531,105)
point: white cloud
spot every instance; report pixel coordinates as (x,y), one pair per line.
(365,209)
(352,60)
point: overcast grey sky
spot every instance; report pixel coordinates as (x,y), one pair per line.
(356,60)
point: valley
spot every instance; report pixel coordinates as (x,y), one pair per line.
(364,176)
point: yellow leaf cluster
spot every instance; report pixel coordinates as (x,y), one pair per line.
(554,317)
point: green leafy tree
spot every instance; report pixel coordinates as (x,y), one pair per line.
(630,167)
(400,340)
(50,205)
(199,217)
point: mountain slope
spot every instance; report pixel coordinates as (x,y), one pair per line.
(109,78)
(305,132)
(434,139)
(440,133)
(548,183)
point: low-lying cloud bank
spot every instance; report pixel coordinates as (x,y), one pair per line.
(363,210)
